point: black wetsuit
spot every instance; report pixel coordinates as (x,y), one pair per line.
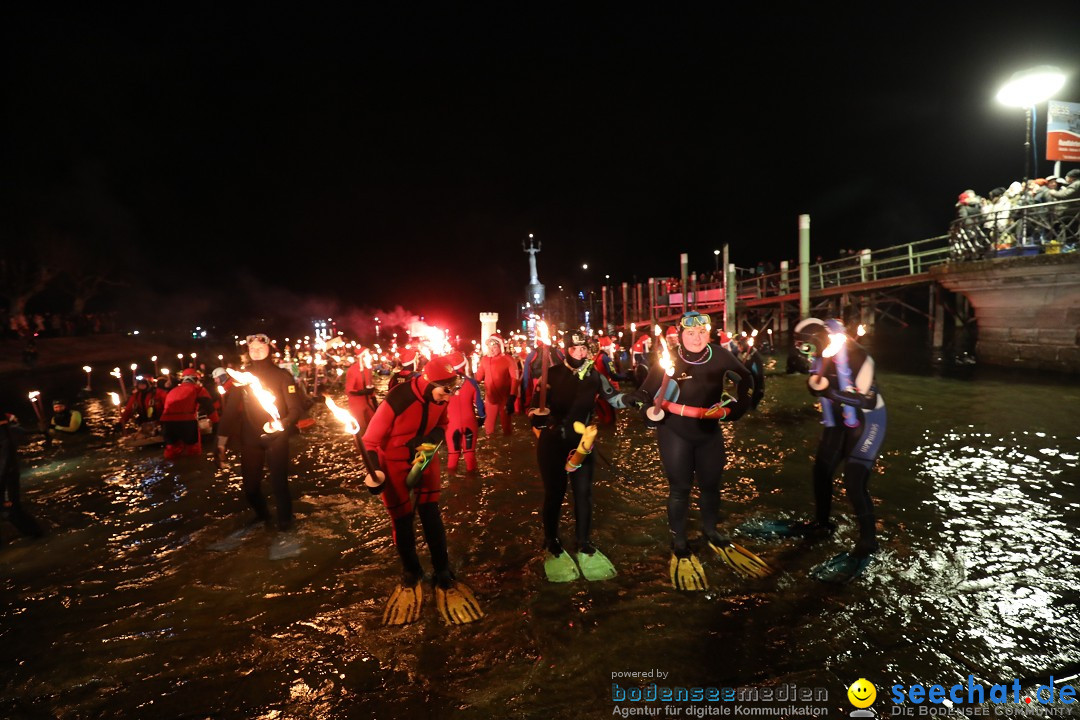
(9,479)
(752,361)
(856,445)
(570,398)
(690,446)
(243,419)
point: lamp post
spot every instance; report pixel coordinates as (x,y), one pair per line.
(1026,89)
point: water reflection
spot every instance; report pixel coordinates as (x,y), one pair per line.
(123,611)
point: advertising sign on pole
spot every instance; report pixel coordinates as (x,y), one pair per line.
(1063,131)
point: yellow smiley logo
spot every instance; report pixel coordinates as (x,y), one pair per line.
(862,693)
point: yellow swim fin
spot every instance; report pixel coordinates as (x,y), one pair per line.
(687,573)
(457,604)
(403,607)
(740,559)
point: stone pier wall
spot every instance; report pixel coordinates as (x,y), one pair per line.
(1027,309)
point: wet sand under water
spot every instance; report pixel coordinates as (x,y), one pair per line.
(124,611)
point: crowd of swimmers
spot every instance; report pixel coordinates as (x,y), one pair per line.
(684,383)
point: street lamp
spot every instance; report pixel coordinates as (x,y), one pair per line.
(1027,89)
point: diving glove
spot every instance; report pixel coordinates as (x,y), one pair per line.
(423,453)
(588,438)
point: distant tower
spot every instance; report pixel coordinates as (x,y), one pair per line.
(534,294)
(489,323)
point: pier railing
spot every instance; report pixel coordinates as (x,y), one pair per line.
(1027,230)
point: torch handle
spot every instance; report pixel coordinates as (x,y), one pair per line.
(843,377)
(362,452)
(658,401)
(545,360)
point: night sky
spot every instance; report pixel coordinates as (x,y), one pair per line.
(287,159)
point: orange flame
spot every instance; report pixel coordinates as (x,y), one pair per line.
(264,396)
(343,416)
(542,332)
(836,342)
(665,357)
(115,397)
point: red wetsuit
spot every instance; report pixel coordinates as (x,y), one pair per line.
(360,388)
(462,410)
(499,375)
(605,414)
(404,420)
(179,419)
(144,406)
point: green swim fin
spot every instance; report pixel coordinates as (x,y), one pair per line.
(595,565)
(842,568)
(560,568)
(403,607)
(740,559)
(457,604)
(687,573)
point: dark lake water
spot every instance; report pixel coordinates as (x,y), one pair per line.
(123,611)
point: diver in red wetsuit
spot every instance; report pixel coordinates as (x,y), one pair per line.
(463,409)
(360,388)
(180,416)
(407,357)
(145,404)
(401,444)
(498,372)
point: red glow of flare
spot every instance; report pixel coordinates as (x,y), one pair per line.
(264,396)
(343,416)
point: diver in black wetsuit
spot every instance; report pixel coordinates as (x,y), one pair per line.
(692,443)
(751,359)
(260,451)
(573,389)
(853,412)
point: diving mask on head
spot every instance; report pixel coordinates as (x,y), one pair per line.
(695,319)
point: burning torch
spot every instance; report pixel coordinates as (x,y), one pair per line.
(352,427)
(545,361)
(837,351)
(265,398)
(87,369)
(43,425)
(119,376)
